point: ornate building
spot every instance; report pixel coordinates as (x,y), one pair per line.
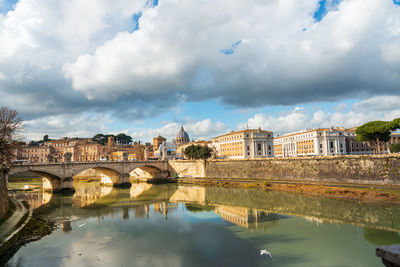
(182,137)
(311,142)
(245,144)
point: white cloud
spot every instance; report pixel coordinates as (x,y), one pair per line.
(197,130)
(67,57)
(379,103)
(334,58)
(300,118)
(84,125)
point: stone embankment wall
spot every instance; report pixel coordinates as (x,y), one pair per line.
(4,202)
(383,169)
(192,168)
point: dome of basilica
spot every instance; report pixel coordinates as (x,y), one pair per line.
(182,137)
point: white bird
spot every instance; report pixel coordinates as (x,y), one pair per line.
(264,251)
(80,225)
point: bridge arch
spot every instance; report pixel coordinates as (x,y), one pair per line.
(108,176)
(50,180)
(146,172)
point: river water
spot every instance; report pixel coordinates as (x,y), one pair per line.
(170,225)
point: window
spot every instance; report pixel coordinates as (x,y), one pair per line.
(269,148)
(331,144)
(259,147)
(248,147)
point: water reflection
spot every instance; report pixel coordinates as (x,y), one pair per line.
(209,226)
(247,218)
(87,193)
(243,207)
(36,199)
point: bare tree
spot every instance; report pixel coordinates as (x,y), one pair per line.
(10,127)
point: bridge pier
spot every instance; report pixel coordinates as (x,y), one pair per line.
(64,186)
(123,181)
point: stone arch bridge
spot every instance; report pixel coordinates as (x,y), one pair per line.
(60,175)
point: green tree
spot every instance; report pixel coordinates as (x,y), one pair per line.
(10,126)
(377,132)
(46,138)
(99,138)
(197,152)
(394,148)
(123,138)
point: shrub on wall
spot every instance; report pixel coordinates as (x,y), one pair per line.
(395,148)
(197,152)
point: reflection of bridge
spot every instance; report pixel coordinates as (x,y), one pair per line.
(232,202)
(60,176)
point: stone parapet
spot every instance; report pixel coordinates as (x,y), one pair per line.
(372,169)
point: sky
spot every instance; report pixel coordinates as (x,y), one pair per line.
(144,67)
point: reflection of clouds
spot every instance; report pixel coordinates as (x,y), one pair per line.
(155,242)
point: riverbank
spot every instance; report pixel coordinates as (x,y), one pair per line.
(355,192)
(34,230)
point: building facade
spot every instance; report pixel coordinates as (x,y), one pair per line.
(250,143)
(315,142)
(36,154)
(355,147)
(157,141)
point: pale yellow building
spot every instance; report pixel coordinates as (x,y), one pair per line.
(250,143)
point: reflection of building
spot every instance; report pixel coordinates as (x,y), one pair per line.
(88,193)
(36,199)
(315,142)
(245,217)
(164,208)
(250,143)
(182,137)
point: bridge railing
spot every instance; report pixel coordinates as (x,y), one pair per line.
(17,164)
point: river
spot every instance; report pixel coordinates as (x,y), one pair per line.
(171,225)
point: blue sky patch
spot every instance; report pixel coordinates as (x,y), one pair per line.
(232,49)
(325,6)
(7,5)
(396,2)
(152,3)
(135,19)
